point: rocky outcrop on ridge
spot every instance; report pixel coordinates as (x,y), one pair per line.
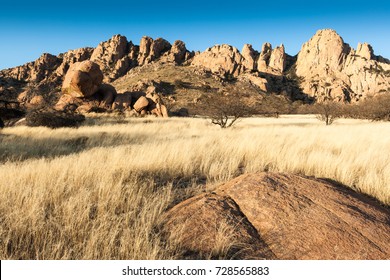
(326,68)
(223,60)
(332,70)
(114,57)
(83,91)
(282,216)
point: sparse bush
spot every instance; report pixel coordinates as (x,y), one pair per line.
(274,105)
(327,112)
(378,109)
(182,112)
(226,110)
(53,119)
(375,109)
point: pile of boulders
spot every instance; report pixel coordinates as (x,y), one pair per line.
(83,91)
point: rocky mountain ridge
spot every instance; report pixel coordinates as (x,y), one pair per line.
(326,68)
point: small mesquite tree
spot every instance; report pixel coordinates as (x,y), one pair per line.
(327,112)
(226,110)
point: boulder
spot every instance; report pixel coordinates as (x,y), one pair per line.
(122,102)
(294,217)
(83,79)
(105,95)
(141,104)
(66,102)
(164,111)
(212,226)
(22,97)
(37,100)
(85,108)
(155,110)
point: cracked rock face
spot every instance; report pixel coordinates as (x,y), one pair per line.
(327,65)
(112,57)
(250,57)
(222,59)
(272,61)
(150,50)
(284,216)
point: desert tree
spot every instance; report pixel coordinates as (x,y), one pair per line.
(327,111)
(226,110)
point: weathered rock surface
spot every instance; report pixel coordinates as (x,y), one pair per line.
(35,71)
(272,61)
(122,102)
(265,54)
(224,60)
(257,81)
(277,60)
(71,57)
(250,57)
(144,49)
(330,66)
(150,50)
(83,79)
(141,104)
(178,53)
(210,224)
(284,217)
(113,57)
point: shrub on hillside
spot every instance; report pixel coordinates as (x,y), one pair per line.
(53,119)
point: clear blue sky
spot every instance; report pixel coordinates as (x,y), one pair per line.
(31,28)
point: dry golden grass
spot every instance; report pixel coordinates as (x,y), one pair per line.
(98,192)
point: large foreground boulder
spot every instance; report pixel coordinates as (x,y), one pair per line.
(284,217)
(83,79)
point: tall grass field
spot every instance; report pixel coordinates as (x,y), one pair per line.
(99,191)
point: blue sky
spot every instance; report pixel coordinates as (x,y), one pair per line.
(29,29)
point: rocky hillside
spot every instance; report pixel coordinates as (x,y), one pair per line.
(326,68)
